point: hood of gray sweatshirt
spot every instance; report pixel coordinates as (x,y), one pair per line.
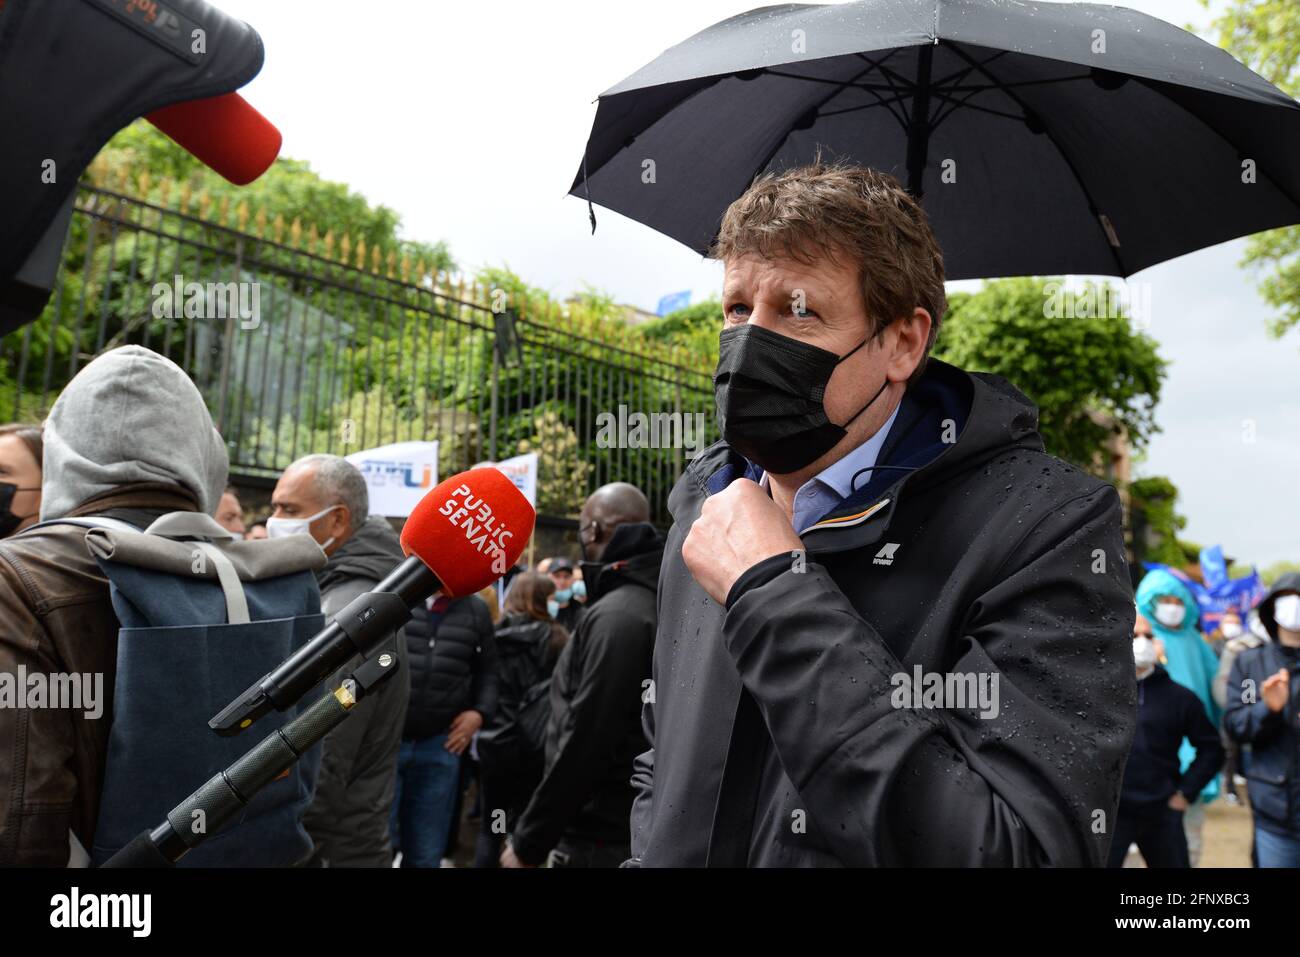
(130,416)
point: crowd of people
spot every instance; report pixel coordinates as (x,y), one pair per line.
(723,695)
(1212,707)
(533,707)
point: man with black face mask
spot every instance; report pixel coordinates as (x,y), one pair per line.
(899,629)
(578,816)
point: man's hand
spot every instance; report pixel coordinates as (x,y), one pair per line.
(463,727)
(1177,802)
(1276,690)
(509,859)
(737,529)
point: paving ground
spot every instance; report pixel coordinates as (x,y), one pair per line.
(1225,838)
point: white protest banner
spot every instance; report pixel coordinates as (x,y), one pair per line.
(398,475)
(522,470)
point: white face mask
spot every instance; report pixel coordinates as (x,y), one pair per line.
(1230,630)
(1170,615)
(282,527)
(1144,653)
(1286,611)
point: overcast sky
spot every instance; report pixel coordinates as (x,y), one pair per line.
(469,119)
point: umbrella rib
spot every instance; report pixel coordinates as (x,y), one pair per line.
(1020,83)
(813,112)
(1092,205)
(960,75)
(956,104)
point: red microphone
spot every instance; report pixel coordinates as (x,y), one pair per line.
(461,537)
(470,530)
(225,133)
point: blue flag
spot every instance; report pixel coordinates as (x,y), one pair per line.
(674,301)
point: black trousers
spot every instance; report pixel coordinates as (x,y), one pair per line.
(1159,837)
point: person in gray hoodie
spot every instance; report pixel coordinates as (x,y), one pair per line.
(325,496)
(129,438)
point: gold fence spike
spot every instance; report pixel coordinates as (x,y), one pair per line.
(164,192)
(313,239)
(405,266)
(374,260)
(187,190)
(345,250)
(421,270)
(223,210)
(329,244)
(391,263)
(241,216)
(295,233)
(260,221)
(277,228)
(142,184)
(361,253)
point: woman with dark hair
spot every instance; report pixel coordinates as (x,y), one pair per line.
(21,450)
(510,759)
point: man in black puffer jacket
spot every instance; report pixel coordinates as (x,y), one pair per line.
(579,814)
(453,663)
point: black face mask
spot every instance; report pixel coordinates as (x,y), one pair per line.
(769,390)
(8,520)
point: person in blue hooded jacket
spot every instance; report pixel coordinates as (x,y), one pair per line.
(1174,613)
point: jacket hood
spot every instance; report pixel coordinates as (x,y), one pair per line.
(130,416)
(634,554)
(949,420)
(1159,582)
(1288,582)
(372,551)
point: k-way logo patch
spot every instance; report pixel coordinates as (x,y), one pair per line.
(886,555)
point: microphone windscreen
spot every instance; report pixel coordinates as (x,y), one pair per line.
(225,132)
(470,530)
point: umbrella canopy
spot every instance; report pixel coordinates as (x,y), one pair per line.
(1042,137)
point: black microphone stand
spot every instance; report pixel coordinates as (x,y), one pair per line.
(226,793)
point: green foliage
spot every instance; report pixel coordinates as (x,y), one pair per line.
(694,328)
(1275,571)
(562,467)
(1155,521)
(1088,376)
(289,190)
(1265,35)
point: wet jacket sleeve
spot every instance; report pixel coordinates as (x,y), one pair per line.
(1204,737)
(1247,718)
(1031,780)
(643,775)
(608,677)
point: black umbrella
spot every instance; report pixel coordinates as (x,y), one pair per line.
(1043,137)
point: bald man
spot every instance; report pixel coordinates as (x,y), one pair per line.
(579,814)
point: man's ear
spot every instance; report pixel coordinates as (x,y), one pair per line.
(340,521)
(910,338)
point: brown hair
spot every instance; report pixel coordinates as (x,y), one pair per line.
(833,209)
(30,436)
(527,597)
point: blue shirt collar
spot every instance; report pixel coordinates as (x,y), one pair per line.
(824,491)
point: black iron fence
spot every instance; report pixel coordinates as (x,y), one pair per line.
(302,343)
